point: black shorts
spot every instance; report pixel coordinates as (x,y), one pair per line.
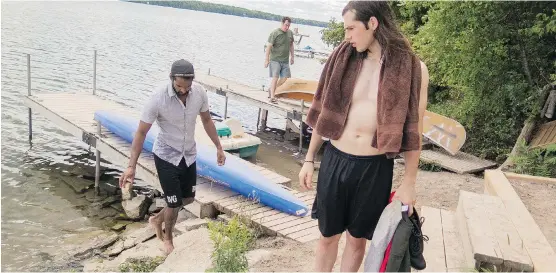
(352,192)
(177,182)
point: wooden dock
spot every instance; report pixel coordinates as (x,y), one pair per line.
(74,113)
(256,97)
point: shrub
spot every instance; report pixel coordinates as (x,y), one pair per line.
(231,241)
(536,161)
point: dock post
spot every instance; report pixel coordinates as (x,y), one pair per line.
(209,72)
(301,127)
(263,117)
(226,106)
(97,167)
(29,94)
(258,118)
(95,73)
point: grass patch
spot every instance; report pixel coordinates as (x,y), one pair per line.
(429,166)
(142,264)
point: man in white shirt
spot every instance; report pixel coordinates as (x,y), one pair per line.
(174,107)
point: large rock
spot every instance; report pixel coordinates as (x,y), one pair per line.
(127,192)
(96,245)
(192,251)
(130,239)
(150,248)
(191,224)
(78,185)
(137,207)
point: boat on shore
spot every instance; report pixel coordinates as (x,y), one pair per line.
(232,138)
(235,174)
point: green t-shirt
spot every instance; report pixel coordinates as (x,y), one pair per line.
(281,42)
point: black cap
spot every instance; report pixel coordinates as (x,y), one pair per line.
(182,68)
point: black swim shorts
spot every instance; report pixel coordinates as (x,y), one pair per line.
(177,182)
(352,192)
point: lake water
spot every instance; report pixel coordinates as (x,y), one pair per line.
(136,45)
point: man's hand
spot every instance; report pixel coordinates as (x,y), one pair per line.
(291,61)
(306,176)
(127,176)
(221,157)
(406,194)
(266,62)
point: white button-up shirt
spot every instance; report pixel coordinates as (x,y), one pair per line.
(176,139)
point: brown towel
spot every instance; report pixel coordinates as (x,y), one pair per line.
(397,101)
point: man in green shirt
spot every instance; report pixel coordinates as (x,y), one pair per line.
(279,47)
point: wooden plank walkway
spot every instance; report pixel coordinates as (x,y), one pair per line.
(250,95)
(460,163)
(74,113)
(273,222)
(443,251)
(545,135)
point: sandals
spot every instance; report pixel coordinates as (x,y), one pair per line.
(273,100)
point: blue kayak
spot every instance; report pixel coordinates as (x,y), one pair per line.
(235,174)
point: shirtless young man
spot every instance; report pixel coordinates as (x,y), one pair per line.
(355,179)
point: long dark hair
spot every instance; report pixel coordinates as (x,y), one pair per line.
(388,34)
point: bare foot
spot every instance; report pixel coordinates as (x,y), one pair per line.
(157,227)
(168,246)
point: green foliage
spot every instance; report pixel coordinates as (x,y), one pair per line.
(487,61)
(143,264)
(230,10)
(487,54)
(538,161)
(333,35)
(429,166)
(231,241)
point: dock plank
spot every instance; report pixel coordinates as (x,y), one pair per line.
(461,163)
(453,247)
(480,244)
(247,94)
(434,249)
(545,135)
(513,252)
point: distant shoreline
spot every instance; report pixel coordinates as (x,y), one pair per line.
(228,10)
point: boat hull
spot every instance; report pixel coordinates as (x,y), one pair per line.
(235,174)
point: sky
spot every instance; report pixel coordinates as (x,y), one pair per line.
(321,10)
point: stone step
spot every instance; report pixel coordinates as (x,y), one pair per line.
(490,240)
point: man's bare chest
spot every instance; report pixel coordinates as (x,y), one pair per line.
(366,87)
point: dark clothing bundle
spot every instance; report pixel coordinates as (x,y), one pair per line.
(397,242)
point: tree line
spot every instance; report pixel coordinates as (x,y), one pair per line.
(229,10)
